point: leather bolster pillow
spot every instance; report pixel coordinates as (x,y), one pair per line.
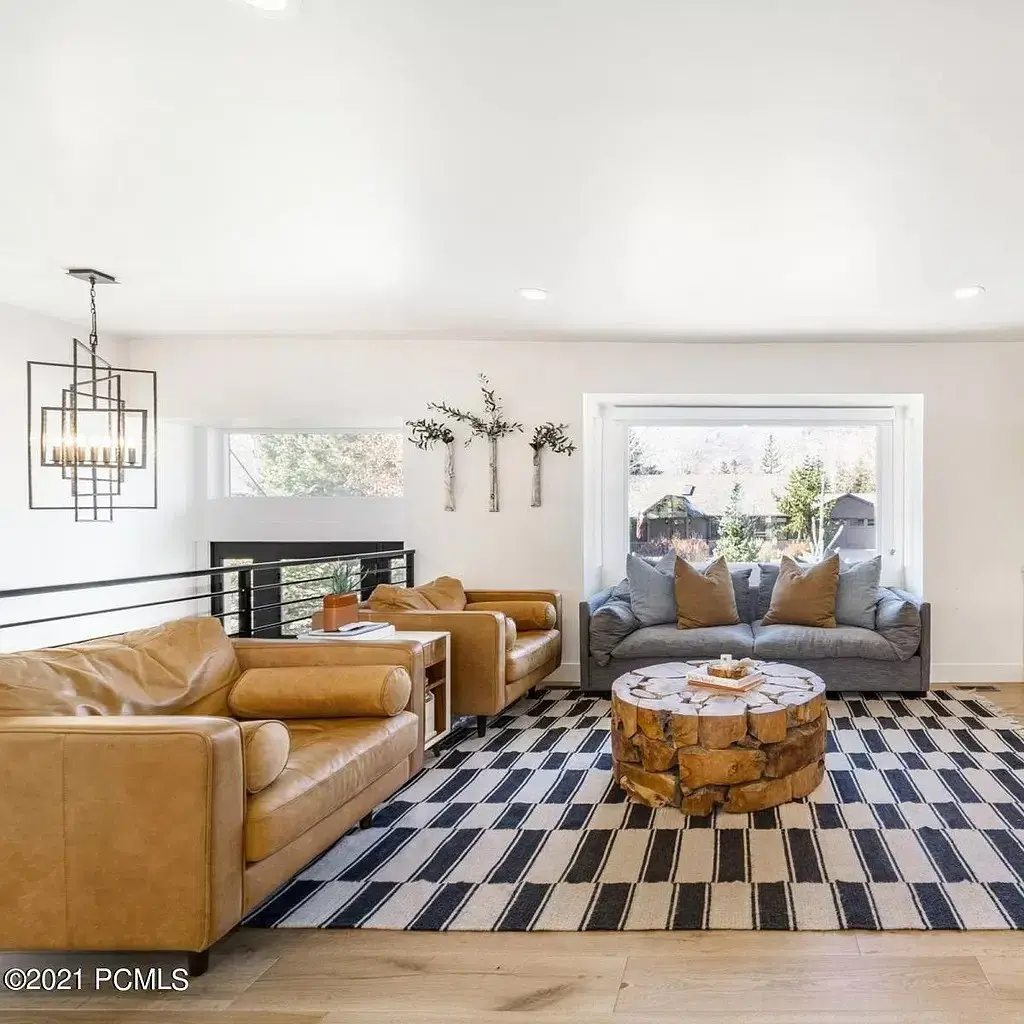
(321,691)
(265,749)
(526,615)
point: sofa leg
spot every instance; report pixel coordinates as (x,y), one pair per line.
(366,821)
(481,725)
(198,963)
(532,691)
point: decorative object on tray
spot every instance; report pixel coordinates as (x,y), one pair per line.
(491,425)
(727,675)
(547,435)
(678,742)
(425,434)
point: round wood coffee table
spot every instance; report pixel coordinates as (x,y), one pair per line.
(694,748)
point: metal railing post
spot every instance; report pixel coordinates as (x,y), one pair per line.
(245,602)
(410,565)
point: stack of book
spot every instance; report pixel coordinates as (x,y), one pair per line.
(352,631)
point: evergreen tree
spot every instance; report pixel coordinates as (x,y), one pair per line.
(736,541)
(771,456)
(858,479)
(639,458)
(803,492)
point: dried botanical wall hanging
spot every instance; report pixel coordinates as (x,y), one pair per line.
(491,425)
(425,434)
(547,435)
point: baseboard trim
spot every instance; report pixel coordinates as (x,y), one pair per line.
(567,672)
(971,672)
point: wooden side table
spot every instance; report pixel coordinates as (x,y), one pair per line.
(437,670)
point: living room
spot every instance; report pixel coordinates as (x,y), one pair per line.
(804,228)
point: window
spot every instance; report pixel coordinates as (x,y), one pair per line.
(752,493)
(321,464)
(749,483)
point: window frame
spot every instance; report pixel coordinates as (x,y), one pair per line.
(609,425)
(223,450)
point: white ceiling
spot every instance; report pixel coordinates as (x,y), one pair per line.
(666,168)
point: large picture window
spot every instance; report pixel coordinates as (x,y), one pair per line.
(752,484)
(315,464)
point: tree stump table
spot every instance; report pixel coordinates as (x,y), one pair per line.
(691,747)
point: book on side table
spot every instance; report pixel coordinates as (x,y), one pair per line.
(352,631)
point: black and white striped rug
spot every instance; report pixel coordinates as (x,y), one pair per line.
(919,824)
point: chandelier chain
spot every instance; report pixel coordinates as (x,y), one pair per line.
(93,336)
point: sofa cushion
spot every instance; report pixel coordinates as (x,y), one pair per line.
(651,591)
(746,598)
(101,678)
(704,598)
(527,615)
(805,596)
(331,761)
(265,748)
(444,594)
(669,642)
(531,650)
(609,625)
(782,642)
(198,653)
(898,621)
(321,691)
(858,593)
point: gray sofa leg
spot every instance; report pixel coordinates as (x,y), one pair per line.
(481,725)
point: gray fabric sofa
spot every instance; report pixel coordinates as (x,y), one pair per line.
(894,656)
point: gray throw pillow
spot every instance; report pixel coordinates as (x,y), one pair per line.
(609,625)
(652,594)
(765,585)
(741,589)
(858,593)
(898,621)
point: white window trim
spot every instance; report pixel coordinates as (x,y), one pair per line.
(607,417)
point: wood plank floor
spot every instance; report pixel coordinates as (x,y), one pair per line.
(344,977)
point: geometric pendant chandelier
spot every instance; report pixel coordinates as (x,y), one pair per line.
(91,429)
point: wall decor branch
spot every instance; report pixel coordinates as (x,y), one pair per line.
(492,426)
(425,434)
(548,435)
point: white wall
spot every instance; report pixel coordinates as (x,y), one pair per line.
(973,441)
(40,547)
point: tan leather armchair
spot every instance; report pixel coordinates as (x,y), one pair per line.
(489,668)
(130,820)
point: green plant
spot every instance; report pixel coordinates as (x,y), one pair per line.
(491,425)
(426,433)
(736,541)
(553,436)
(346,578)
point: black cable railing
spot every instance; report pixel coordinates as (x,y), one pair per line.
(248,597)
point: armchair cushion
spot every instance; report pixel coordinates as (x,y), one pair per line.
(265,747)
(445,594)
(510,633)
(321,691)
(527,615)
(530,651)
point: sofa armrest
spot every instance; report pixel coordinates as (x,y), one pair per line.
(477,653)
(924,608)
(551,596)
(120,833)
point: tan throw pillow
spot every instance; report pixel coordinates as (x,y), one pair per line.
(704,598)
(805,597)
(445,594)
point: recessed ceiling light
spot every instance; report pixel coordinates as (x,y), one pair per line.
(970,291)
(532,294)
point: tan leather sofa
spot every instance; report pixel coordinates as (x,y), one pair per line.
(144,809)
(493,661)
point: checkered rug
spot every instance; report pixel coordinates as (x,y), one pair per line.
(919,824)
